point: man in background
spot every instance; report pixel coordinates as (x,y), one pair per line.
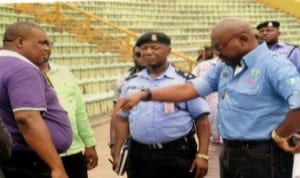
(269,32)
(81,155)
(212,99)
(139,64)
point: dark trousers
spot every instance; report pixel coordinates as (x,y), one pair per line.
(75,165)
(1,174)
(171,162)
(261,159)
(25,164)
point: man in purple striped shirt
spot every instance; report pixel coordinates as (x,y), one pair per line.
(39,126)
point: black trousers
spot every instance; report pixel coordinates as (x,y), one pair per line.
(171,162)
(75,165)
(254,159)
(25,164)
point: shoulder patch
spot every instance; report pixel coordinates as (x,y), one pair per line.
(131,76)
(186,75)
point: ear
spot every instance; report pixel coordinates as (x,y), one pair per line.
(170,49)
(19,42)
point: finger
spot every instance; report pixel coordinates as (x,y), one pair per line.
(119,105)
(296,135)
(198,173)
(296,149)
(92,165)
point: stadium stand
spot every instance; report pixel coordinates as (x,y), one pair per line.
(92,37)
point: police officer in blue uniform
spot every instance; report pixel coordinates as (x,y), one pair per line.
(269,32)
(163,143)
(258,106)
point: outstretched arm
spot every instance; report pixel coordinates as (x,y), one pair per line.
(173,93)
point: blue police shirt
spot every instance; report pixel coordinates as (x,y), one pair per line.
(286,51)
(254,98)
(148,121)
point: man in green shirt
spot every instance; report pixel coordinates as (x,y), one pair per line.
(81,155)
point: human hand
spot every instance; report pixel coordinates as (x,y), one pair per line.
(91,157)
(128,102)
(284,145)
(115,162)
(200,166)
(59,173)
(296,139)
(112,150)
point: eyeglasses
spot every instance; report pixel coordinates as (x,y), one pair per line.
(219,48)
(137,54)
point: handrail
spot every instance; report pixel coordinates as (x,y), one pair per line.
(87,30)
(128,33)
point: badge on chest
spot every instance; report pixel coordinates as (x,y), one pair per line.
(169,107)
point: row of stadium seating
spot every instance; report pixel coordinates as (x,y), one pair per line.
(96,71)
(90,86)
(190,15)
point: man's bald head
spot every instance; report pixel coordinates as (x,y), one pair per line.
(230,26)
(232,38)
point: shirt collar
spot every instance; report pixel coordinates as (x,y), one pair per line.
(279,44)
(254,55)
(168,73)
(5,52)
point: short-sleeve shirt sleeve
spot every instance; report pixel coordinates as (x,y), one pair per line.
(26,81)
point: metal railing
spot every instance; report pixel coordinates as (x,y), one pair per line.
(88,27)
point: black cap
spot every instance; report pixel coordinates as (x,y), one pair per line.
(153,37)
(268,24)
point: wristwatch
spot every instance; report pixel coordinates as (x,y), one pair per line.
(149,94)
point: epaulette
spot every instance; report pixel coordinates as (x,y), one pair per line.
(292,50)
(131,77)
(186,75)
(294,45)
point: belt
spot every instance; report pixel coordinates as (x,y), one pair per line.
(246,143)
(181,142)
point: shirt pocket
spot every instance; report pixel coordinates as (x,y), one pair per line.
(248,90)
(250,86)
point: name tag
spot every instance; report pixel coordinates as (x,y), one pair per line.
(169,107)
